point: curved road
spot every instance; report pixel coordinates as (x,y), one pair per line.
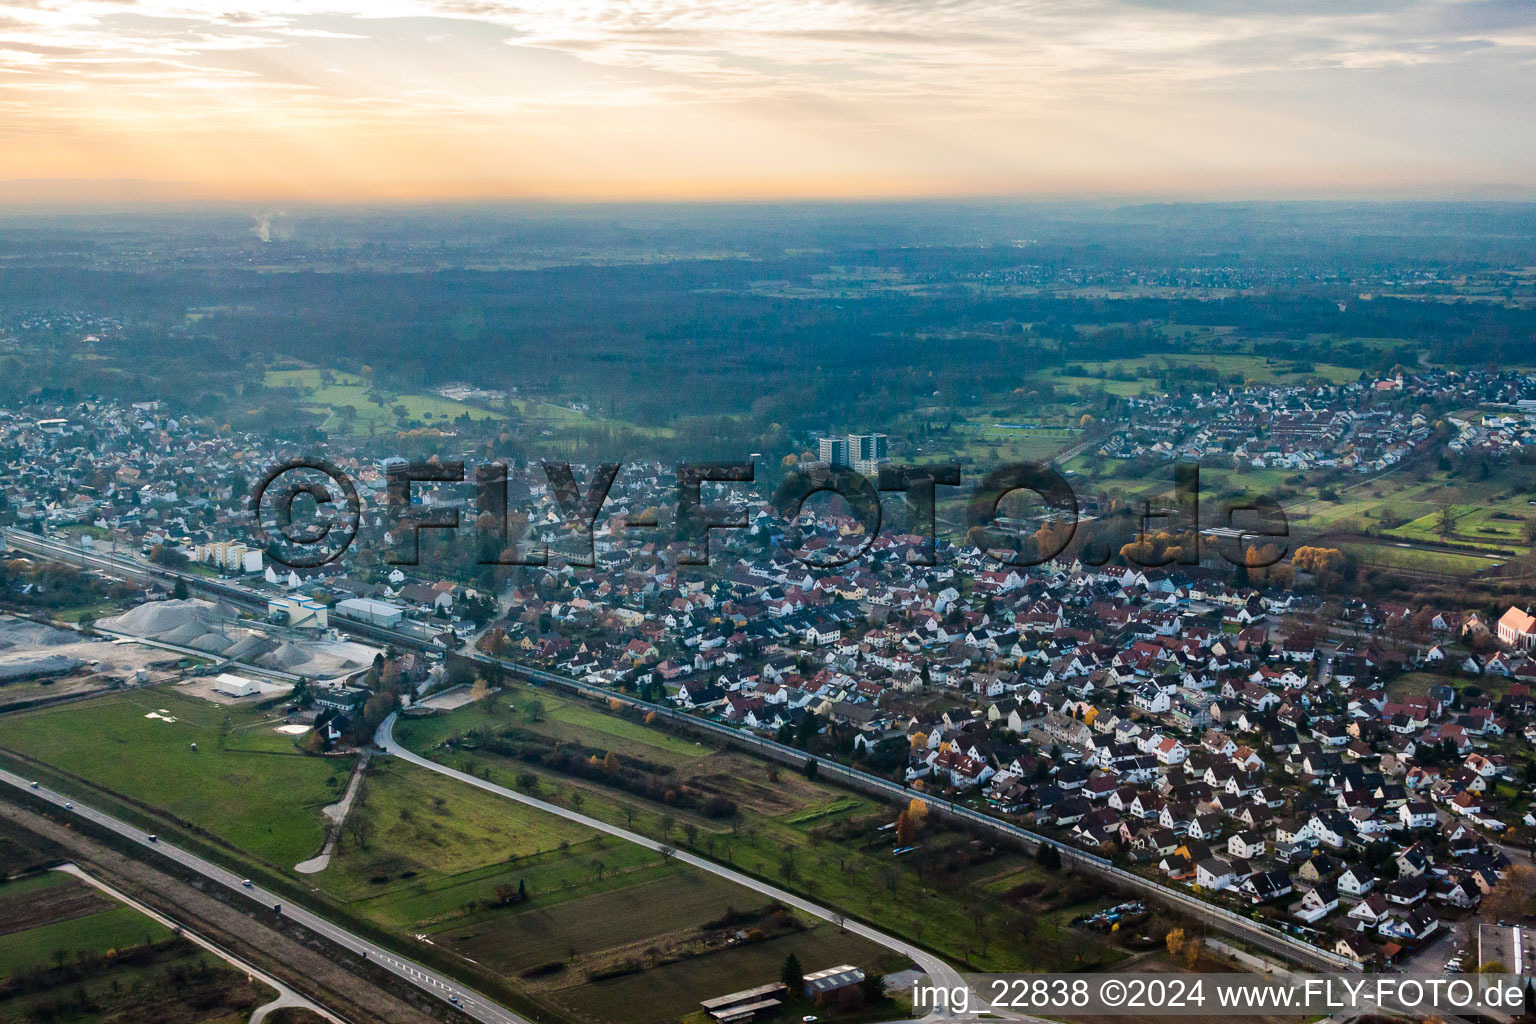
(939,972)
(285,995)
(1266,937)
(439,985)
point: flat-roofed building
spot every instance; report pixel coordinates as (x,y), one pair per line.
(1512,947)
(740,1007)
(235,686)
(298,612)
(366,609)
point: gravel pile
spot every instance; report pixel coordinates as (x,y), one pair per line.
(20,665)
(23,633)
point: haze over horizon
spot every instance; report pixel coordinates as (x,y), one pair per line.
(421,100)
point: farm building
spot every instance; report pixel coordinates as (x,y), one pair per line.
(740,1007)
(831,985)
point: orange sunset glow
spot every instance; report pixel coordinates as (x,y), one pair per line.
(413,99)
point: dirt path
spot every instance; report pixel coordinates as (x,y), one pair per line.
(337,812)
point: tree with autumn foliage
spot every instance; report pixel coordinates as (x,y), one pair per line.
(910,821)
(1514,896)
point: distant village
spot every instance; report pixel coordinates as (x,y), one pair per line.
(1357,427)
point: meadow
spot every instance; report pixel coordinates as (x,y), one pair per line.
(70,953)
(1139,376)
(244,783)
(375,410)
(547,904)
(802,835)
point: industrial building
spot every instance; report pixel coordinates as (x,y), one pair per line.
(235,686)
(298,612)
(366,609)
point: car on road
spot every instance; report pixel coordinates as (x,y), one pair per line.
(277,908)
(246,882)
(154,838)
(34,785)
(454,1000)
(68,806)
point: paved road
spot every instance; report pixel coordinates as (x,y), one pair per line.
(938,971)
(1264,936)
(285,995)
(470,1002)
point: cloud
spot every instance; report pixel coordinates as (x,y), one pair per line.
(965,88)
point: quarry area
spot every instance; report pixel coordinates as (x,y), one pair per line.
(215,630)
(43,662)
(193,641)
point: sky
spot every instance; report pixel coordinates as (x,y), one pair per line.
(406,100)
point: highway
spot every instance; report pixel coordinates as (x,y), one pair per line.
(1263,936)
(285,995)
(470,1002)
(938,971)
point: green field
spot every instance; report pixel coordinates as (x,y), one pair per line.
(429,836)
(1142,372)
(375,410)
(49,914)
(804,836)
(443,860)
(117,928)
(71,953)
(1498,529)
(1420,559)
(250,787)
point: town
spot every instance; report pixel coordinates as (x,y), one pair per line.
(1077,632)
(1352,772)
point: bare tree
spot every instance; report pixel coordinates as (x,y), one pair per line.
(360,828)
